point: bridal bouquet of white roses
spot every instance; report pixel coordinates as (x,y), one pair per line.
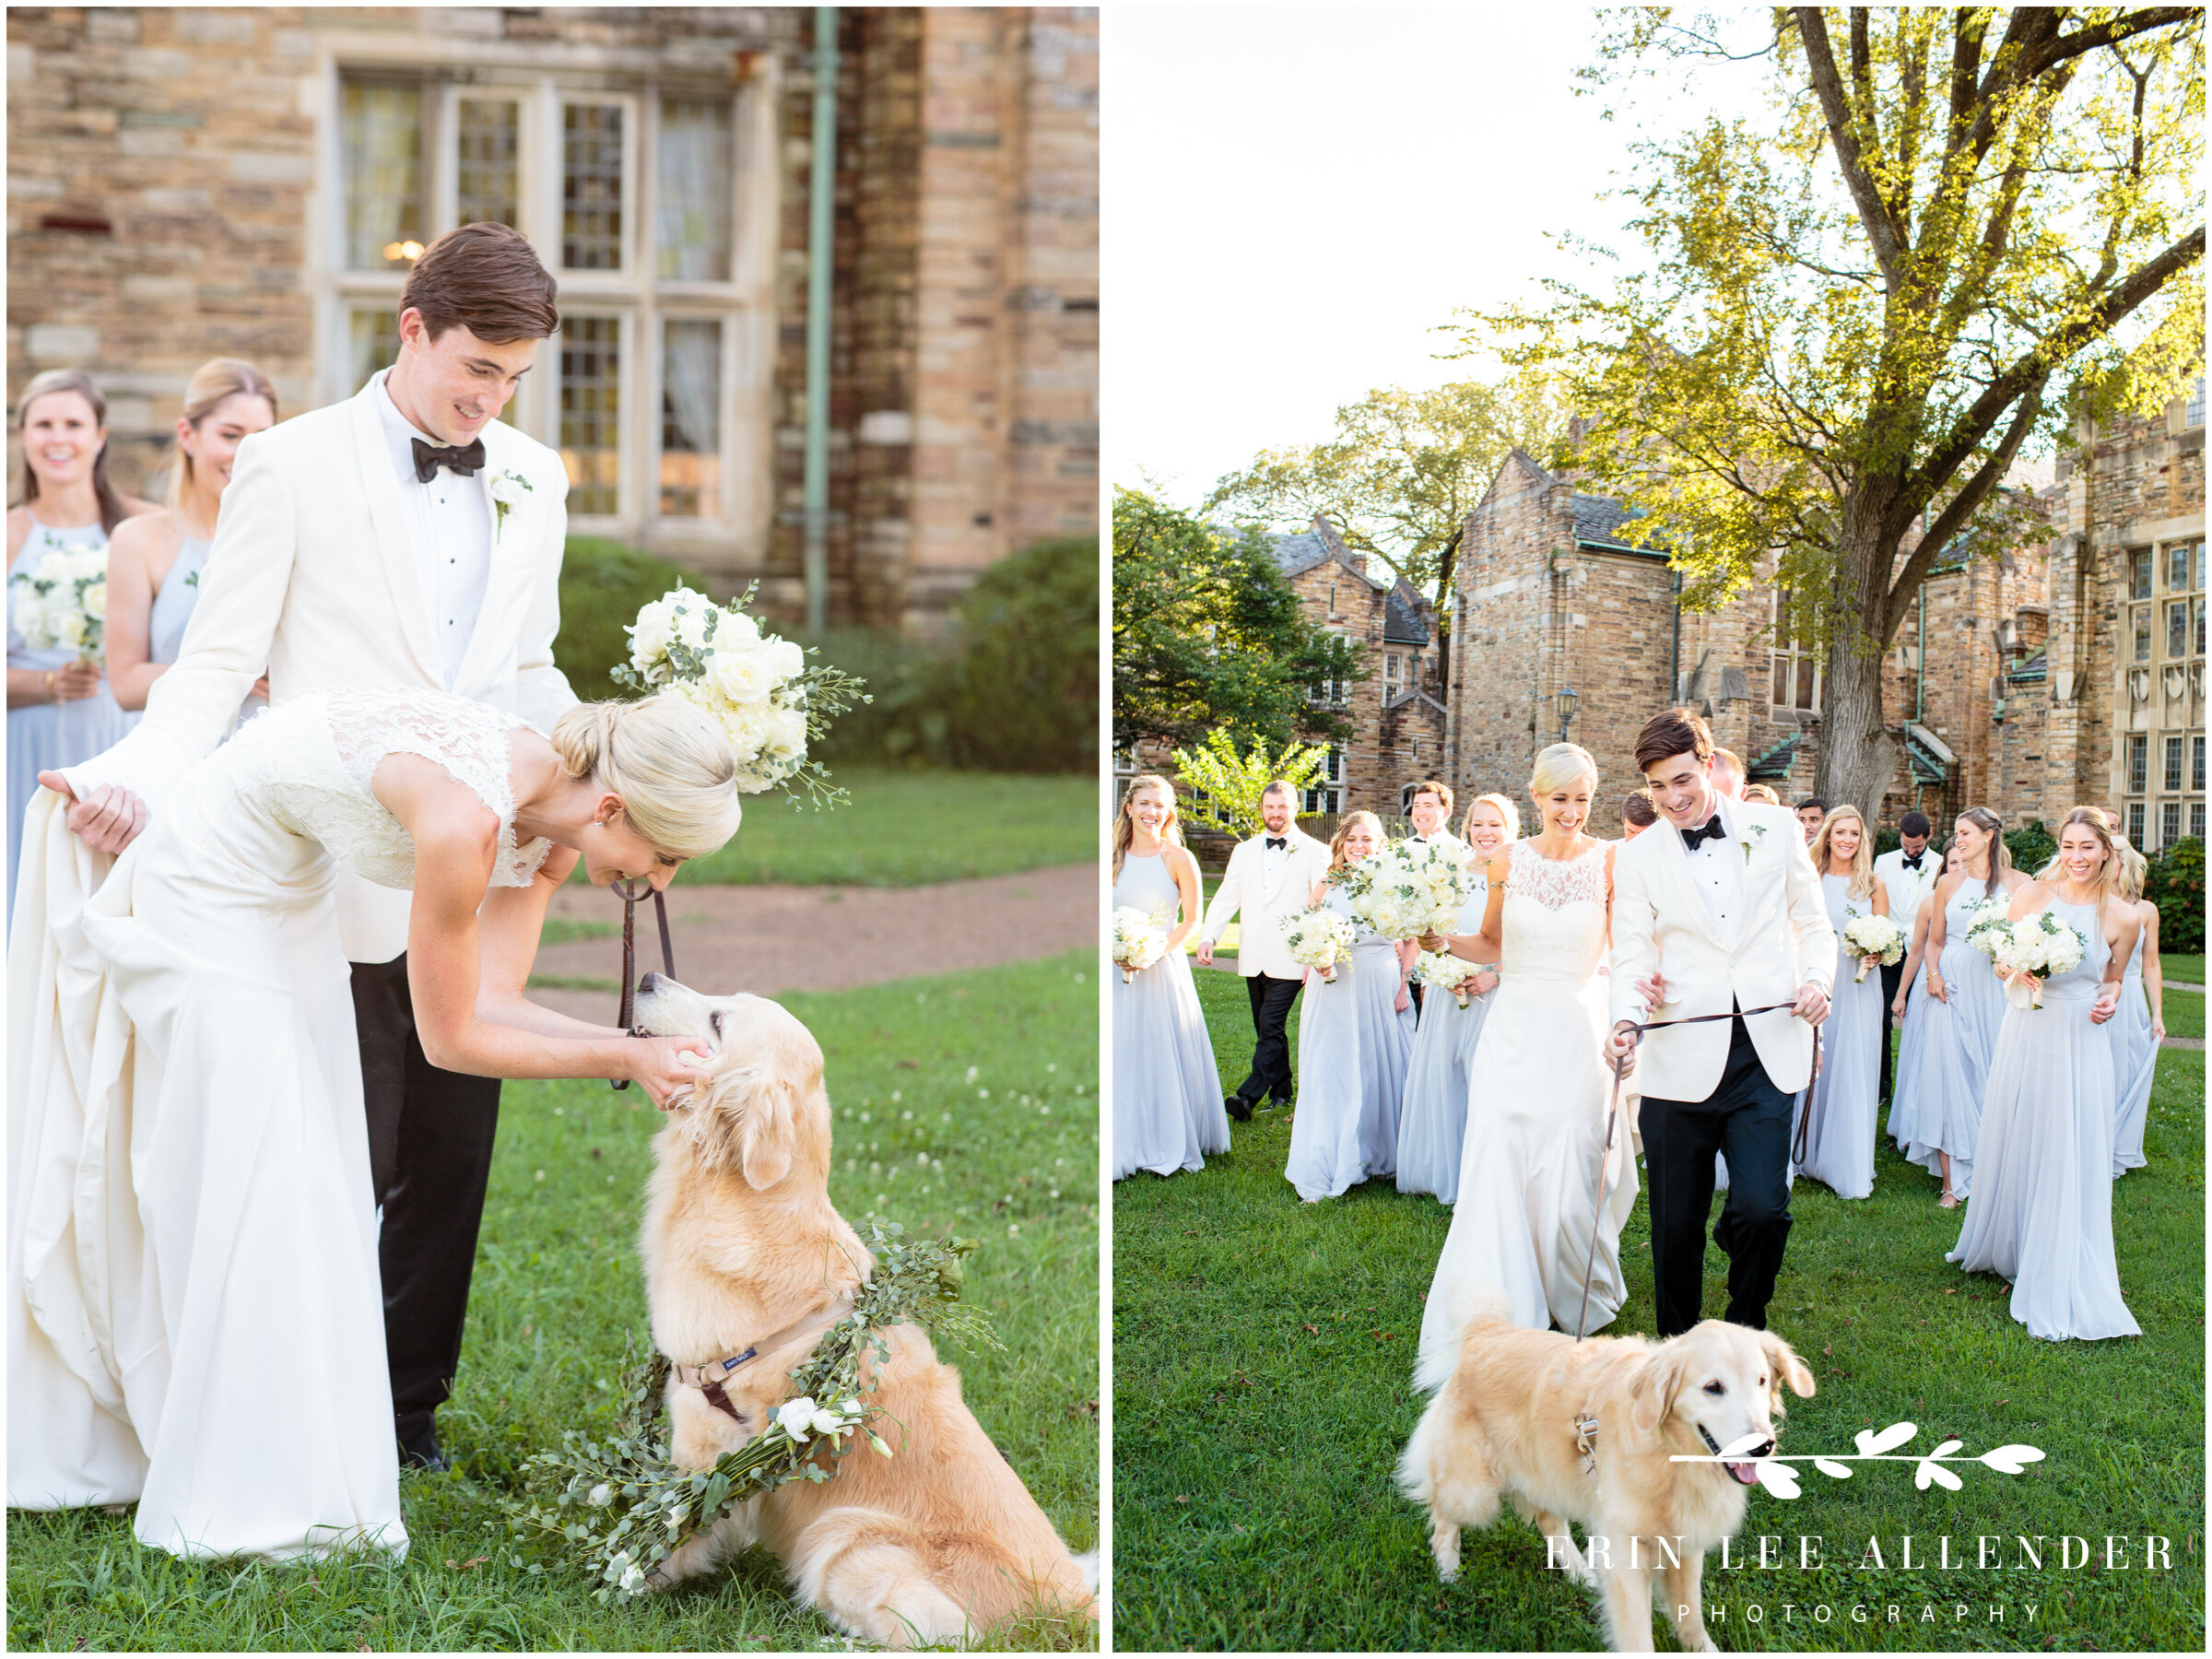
(1408,890)
(1319,939)
(1139,940)
(1442,972)
(756,685)
(2039,945)
(64,601)
(1875,936)
(1988,921)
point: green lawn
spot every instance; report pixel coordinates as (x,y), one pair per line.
(557,1286)
(1263,1350)
(903,829)
(2184,1012)
(2190,969)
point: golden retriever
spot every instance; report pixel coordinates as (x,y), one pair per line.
(742,1248)
(1515,1419)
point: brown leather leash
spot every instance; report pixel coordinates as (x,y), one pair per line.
(1620,1071)
(632,893)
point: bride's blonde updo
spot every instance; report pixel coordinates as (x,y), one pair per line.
(669,763)
(1560,766)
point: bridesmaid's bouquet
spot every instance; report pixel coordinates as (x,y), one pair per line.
(1408,890)
(64,601)
(1139,940)
(1874,936)
(758,687)
(1319,939)
(1988,922)
(1443,971)
(2039,945)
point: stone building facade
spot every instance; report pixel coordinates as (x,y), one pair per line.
(2030,681)
(191,183)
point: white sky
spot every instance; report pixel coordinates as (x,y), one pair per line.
(1294,197)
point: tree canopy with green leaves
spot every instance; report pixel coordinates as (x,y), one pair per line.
(1965,230)
(1226,782)
(1209,634)
(1404,470)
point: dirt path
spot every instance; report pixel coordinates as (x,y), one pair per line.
(773,939)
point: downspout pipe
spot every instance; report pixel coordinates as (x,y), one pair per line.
(821,219)
(1673,665)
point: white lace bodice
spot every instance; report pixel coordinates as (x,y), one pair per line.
(311,761)
(1554,915)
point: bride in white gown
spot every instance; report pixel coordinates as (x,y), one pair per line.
(1537,1089)
(196,1321)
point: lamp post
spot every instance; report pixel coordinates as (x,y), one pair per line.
(1568,701)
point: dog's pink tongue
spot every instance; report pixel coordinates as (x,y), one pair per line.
(1746,1473)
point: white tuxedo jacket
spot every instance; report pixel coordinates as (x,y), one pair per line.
(1783,939)
(1260,948)
(1908,887)
(313,576)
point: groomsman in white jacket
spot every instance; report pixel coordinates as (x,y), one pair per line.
(1909,871)
(363,544)
(1269,880)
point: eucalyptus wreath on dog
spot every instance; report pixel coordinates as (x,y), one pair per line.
(613,1506)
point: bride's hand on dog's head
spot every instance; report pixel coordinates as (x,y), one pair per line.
(667,1067)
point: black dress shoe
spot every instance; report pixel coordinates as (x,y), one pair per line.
(417,1434)
(1239,1108)
(426,1463)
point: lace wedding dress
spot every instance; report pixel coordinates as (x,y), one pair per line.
(1536,1134)
(196,1320)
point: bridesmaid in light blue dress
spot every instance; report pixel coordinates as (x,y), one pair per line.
(2040,1212)
(1355,1033)
(1832,1137)
(1167,1090)
(2139,1028)
(1961,1033)
(1911,1007)
(1434,1119)
(60,712)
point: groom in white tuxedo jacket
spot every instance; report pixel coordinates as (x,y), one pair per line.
(1270,879)
(1715,908)
(401,539)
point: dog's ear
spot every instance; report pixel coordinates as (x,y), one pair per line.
(1652,1394)
(1787,1366)
(768,1111)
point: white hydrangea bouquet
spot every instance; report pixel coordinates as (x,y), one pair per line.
(1408,890)
(64,601)
(1988,921)
(1139,940)
(1319,939)
(1442,972)
(758,687)
(2039,945)
(1871,936)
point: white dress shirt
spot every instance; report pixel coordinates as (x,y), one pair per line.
(449,518)
(1273,859)
(1908,887)
(1716,870)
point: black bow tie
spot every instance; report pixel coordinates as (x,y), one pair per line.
(1912,860)
(1279,840)
(1713,829)
(465,460)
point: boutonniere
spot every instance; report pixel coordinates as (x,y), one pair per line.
(1755,836)
(192,581)
(508,489)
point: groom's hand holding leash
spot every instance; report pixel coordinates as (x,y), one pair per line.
(106,821)
(1811,1005)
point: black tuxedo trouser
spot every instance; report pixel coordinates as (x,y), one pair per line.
(1893,977)
(429,1156)
(1271,1000)
(1747,1120)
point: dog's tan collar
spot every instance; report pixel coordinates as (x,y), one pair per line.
(710,1376)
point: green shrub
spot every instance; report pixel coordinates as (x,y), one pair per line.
(2175,883)
(1022,695)
(604,584)
(2032,846)
(903,725)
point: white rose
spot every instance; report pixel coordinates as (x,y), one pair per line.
(796,1415)
(509,488)
(785,661)
(650,634)
(741,675)
(96,600)
(828,1422)
(737,628)
(785,735)
(69,628)
(692,621)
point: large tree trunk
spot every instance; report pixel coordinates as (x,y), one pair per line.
(1858,756)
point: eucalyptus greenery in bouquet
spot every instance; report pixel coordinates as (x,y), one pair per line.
(614,1507)
(757,685)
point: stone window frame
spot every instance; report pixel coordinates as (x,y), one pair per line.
(541,82)
(1328,795)
(2134,824)
(2136,758)
(1783,648)
(2193,408)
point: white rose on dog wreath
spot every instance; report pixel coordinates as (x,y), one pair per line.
(613,1506)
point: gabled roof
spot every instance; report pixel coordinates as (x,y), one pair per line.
(1402,623)
(1596,517)
(1300,552)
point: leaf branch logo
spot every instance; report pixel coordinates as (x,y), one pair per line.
(1931,1468)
